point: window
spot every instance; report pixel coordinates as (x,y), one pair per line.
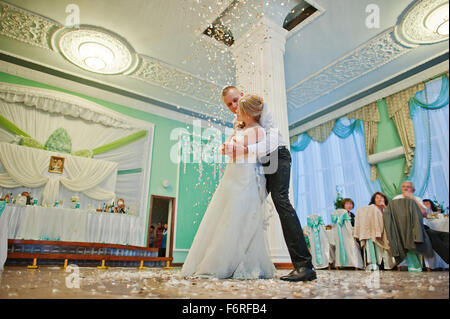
(322,167)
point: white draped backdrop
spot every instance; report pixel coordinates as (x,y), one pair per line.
(39,112)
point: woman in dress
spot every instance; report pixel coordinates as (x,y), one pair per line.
(380,200)
(231,241)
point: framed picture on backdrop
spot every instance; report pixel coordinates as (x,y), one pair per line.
(56,164)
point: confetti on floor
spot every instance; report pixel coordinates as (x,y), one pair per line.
(89,282)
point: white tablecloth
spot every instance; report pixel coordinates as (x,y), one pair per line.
(51,223)
(440,224)
(4,218)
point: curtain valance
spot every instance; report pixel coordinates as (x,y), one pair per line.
(60,103)
(320,133)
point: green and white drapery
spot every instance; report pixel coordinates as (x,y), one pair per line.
(94,131)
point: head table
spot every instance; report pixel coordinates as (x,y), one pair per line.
(63,224)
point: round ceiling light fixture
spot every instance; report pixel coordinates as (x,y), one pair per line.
(426,22)
(437,20)
(95,50)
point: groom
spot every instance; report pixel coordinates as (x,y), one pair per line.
(277,183)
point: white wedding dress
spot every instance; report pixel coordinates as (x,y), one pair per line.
(231,241)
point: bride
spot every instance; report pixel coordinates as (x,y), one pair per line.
(231,240)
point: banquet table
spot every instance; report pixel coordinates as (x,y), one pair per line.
(439,224)
(63,224)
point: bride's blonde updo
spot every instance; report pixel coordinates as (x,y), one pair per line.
(252,105)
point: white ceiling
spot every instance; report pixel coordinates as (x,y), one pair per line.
(168,33)
(168,30)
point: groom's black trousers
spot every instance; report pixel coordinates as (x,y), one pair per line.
(277,185)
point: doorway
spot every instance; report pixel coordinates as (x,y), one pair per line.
(161,217)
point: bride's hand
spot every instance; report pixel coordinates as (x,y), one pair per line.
(233,150)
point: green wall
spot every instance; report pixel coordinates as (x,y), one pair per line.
(190,198)
(389,172)
(197,184)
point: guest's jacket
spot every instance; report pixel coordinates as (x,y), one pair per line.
(403,223)
(369,224)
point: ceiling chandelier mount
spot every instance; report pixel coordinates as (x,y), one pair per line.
(96,50)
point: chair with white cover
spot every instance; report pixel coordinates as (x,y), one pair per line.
(369,229)
(320,248)
(347,252)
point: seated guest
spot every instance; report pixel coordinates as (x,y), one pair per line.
(348,205)
(403,223)
(380,200)
(369,229)
(431,206)
(408,192)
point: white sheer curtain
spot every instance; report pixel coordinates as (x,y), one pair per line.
(322,167)
(438,182)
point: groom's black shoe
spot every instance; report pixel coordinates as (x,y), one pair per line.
(300,274)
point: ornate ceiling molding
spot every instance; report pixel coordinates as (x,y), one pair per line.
(366,58)
(28,27)
(412,31)
(67,42)
(25,26)
(161,74)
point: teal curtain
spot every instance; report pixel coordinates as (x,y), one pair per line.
(420,107)
(420,98)
(341,130)
(301,143)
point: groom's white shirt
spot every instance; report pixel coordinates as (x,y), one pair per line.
(273,139)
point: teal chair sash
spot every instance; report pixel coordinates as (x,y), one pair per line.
(307,241)
(413,261)
(314,224)
(371,248)
(339,221)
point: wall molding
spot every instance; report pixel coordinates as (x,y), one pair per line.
(366,58)
(417,73)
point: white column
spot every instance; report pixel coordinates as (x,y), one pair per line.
(259,60)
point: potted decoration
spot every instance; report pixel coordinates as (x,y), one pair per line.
(339,199)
